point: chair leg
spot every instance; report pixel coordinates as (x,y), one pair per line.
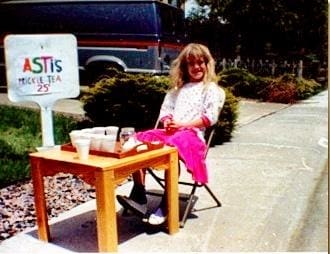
(212,195)
(188,207)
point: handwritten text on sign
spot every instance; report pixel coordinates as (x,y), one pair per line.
(42,65)
(48,66)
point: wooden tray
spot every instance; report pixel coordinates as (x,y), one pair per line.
(118,152)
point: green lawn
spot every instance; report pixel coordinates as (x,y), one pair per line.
(20,133)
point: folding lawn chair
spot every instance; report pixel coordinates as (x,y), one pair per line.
(190,198)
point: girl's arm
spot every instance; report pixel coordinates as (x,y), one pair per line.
(167,108)
(213,102)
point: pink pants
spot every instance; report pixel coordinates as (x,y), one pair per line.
(190,147)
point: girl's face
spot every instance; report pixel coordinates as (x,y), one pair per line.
(196,69)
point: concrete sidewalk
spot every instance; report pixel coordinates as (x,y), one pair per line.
(268,178)
(66,106)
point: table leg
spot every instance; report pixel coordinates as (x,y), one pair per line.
(171,182)
(106,212)
(39,199)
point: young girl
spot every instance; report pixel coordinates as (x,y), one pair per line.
(192,105)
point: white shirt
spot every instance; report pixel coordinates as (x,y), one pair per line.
(194,101)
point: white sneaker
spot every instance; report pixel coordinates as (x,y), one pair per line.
(157,218)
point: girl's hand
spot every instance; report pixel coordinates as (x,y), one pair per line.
(174,125)
(170,125)
(167,123)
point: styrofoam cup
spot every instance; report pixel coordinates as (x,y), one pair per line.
(74,135)
(99,130)
(111,130)
(82,146)
(96,141)
(108,143)
(87,130)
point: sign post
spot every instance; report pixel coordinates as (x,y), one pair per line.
(42,68)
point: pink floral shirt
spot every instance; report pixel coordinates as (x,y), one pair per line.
(194,101)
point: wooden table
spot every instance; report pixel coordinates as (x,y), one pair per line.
(104,173)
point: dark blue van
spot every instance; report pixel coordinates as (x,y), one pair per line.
(132,36)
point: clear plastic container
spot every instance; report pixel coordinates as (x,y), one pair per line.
(126,134)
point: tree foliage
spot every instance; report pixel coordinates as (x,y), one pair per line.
(295,27)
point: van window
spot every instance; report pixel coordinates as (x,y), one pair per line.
(172,22)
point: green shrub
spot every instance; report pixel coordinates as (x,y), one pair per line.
(227,120)
(284,89)
(20,134)
(240,82)
(307,88)
(128,100)
(135,100)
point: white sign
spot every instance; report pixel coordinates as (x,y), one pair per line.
(42,64)
(42,68)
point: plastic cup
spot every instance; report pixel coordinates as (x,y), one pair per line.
(125,134)
(108,143)
(82,146)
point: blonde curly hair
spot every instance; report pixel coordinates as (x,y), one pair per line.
(179,68)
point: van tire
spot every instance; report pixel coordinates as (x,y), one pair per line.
(99,70)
